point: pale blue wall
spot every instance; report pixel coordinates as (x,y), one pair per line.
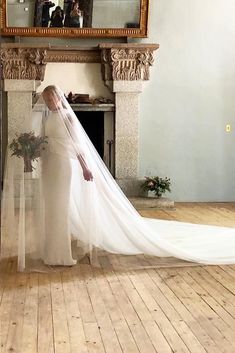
(190,98)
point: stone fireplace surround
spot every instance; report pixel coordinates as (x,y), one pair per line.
(123,67)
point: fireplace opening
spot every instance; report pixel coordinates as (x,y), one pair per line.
(98,121)
(93,124)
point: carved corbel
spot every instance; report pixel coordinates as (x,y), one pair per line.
(127,62)
(23,63)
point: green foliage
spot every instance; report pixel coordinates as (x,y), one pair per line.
(157,184)
(29,147)
(27,144)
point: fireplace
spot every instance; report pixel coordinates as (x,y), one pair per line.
(124,68)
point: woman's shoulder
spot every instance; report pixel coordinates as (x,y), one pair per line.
(62,111)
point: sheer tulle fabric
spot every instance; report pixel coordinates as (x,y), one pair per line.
(52,217)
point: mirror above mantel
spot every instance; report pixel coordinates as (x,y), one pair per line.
(75,18)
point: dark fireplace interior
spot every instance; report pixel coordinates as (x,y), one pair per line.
(93,124)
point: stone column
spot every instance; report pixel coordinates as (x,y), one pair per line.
(22,72)
(124,67)
(19,108)
(127,134)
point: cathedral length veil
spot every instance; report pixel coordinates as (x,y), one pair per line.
(102,221)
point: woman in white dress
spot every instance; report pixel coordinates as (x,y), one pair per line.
(75,196)
(57,176)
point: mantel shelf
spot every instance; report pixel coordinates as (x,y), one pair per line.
(82,107)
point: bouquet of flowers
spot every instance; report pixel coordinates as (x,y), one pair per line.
(156,184)
(29,147)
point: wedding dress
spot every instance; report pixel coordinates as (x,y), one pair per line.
(57,207)
(56,189)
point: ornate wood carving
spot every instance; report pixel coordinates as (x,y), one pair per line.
(127,62)
(73,56)
(23,63)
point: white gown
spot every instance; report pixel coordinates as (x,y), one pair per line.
(57,174)
(97,214)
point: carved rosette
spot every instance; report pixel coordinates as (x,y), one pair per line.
(126,64)
(23,63)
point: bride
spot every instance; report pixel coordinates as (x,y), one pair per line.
(71,198)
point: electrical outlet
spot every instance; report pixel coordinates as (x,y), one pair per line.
(228,128)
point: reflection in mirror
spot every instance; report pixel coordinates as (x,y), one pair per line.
(74,13)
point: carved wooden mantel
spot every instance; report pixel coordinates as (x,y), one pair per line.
(128,62)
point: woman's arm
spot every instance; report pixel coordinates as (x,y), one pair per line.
(86,172)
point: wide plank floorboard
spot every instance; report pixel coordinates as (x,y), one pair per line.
(100,310)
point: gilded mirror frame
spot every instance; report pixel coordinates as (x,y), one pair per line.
(141,31)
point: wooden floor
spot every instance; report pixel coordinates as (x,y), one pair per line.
(92,310)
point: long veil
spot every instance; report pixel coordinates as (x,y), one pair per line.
(102,222)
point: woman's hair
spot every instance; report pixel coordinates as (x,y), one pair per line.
(51,89)
(54,90)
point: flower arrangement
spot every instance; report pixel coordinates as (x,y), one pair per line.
(29,147)
(157,185)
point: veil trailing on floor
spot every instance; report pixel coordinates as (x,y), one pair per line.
(69,201)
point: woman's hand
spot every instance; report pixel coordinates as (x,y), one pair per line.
(87,174)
